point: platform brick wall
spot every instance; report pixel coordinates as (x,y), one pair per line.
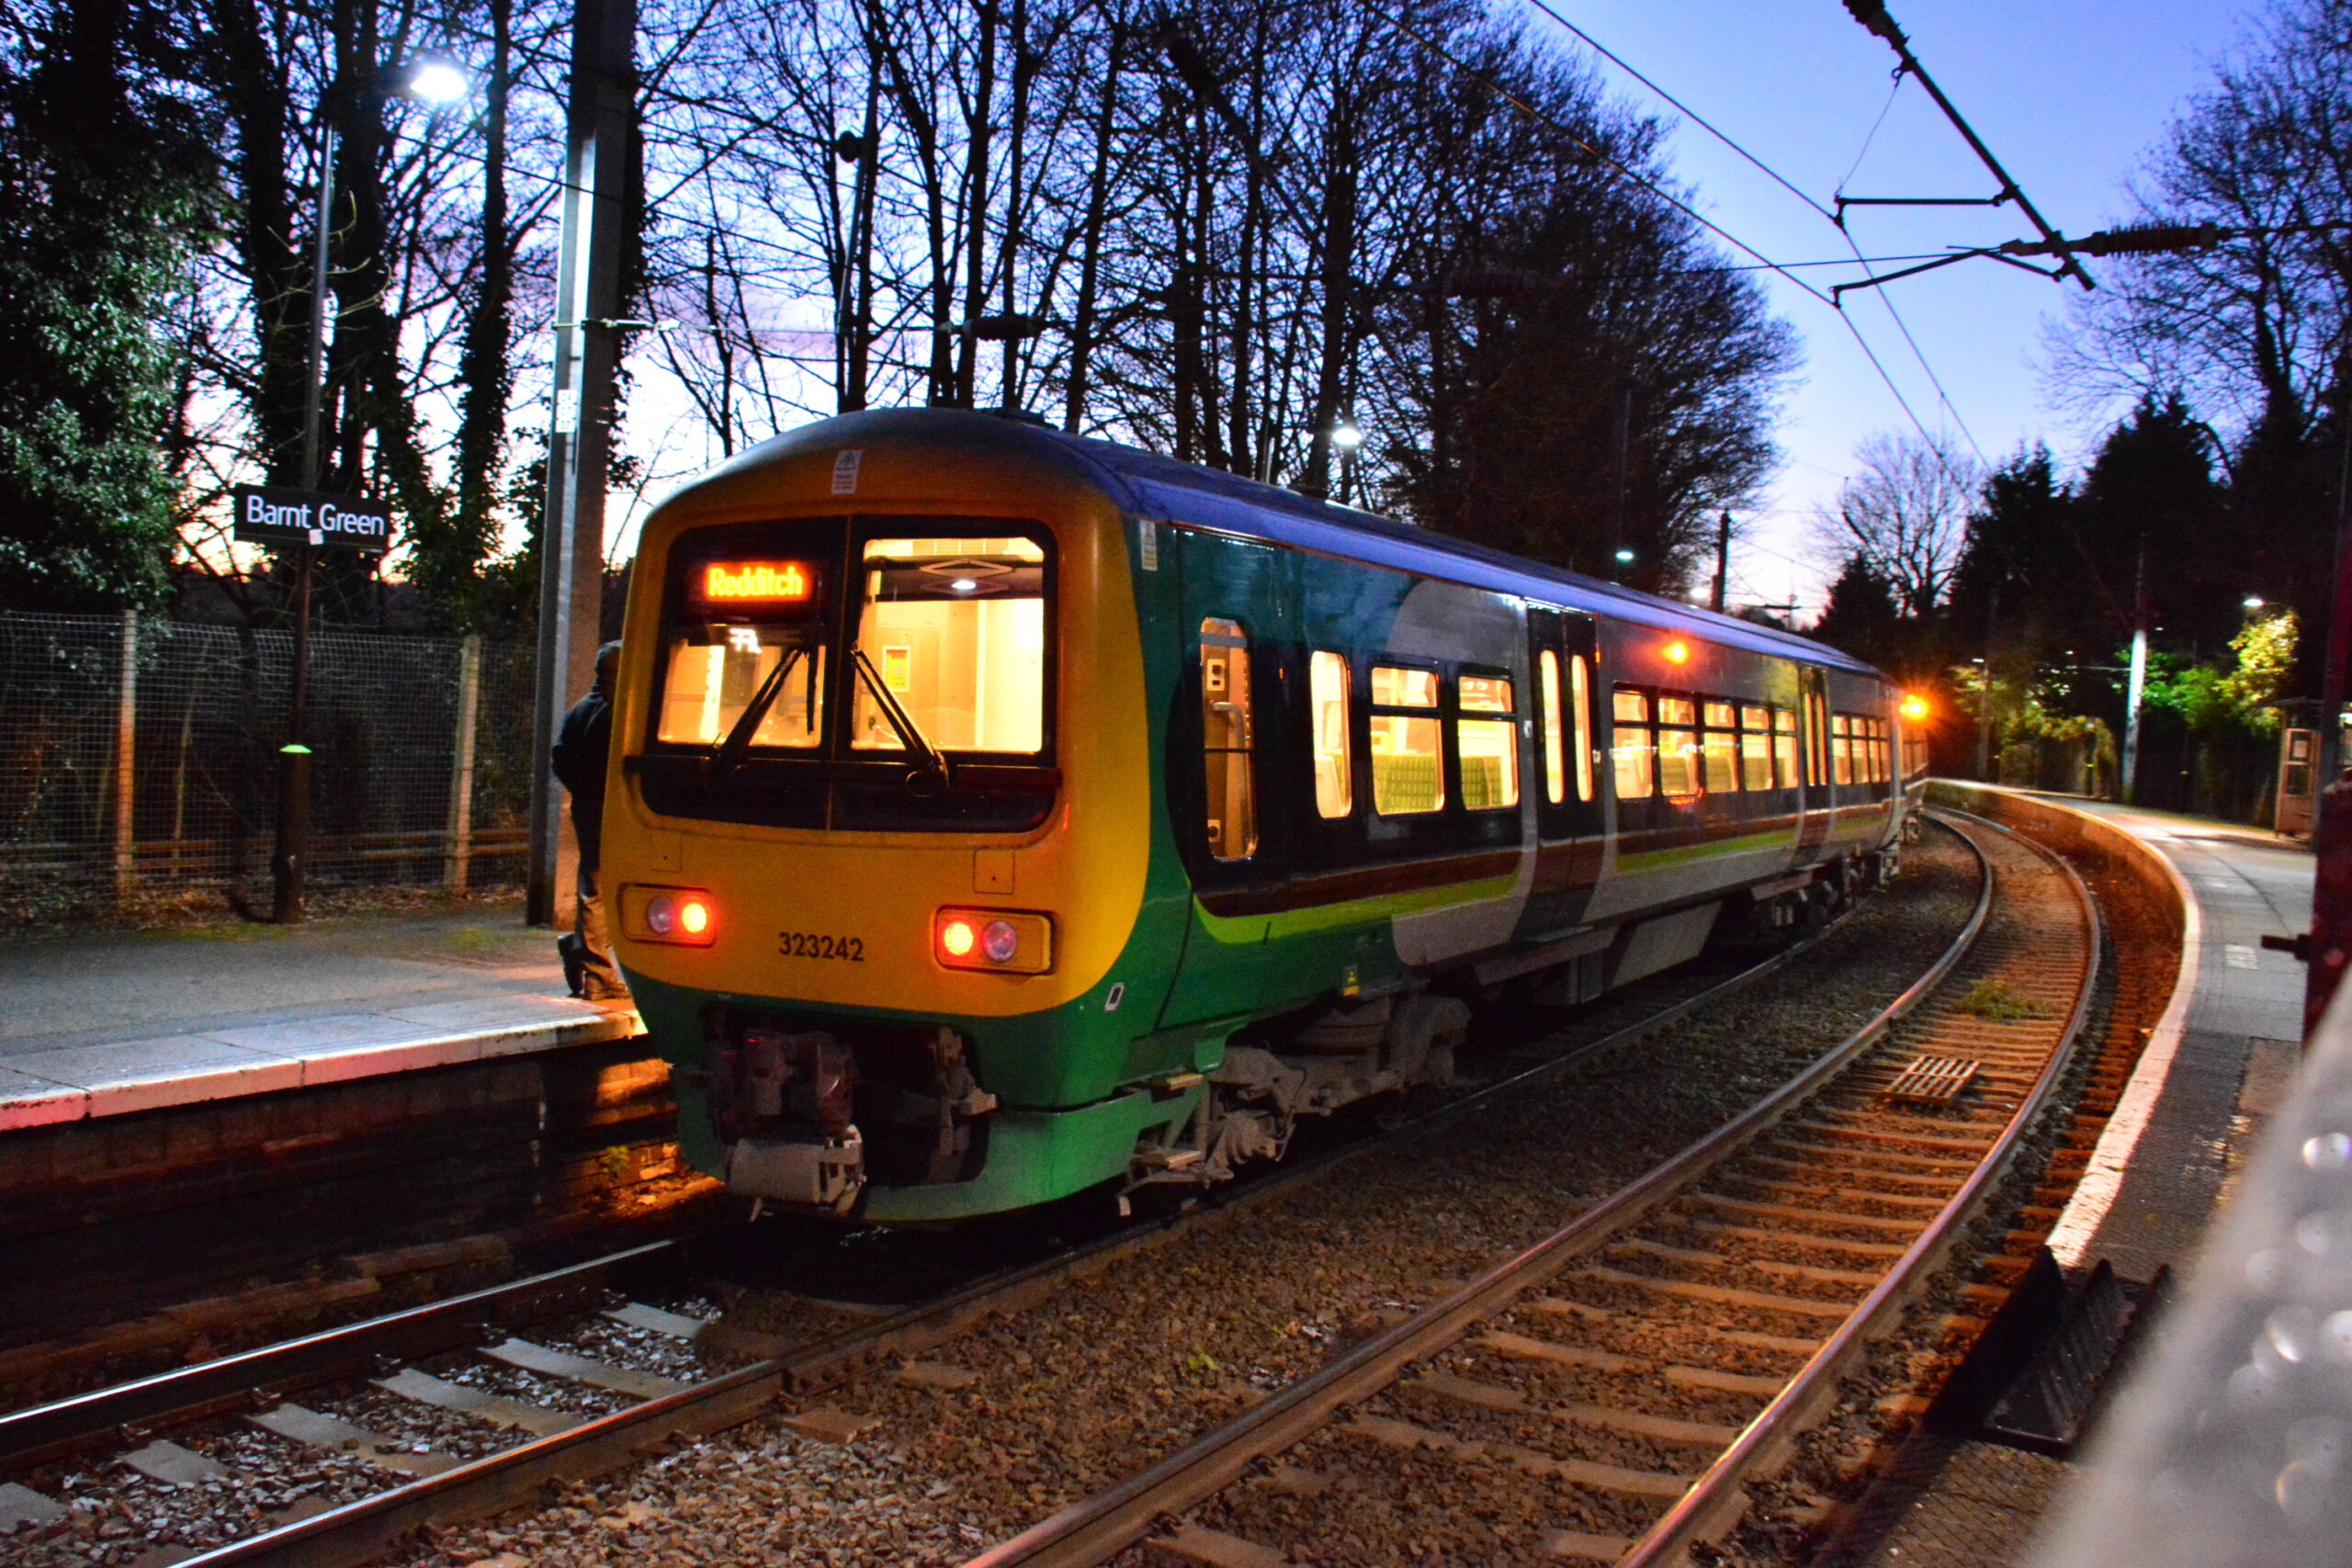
(101,1219)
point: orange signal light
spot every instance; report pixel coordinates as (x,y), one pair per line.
(694,916)
(1677,652)
(1914,706)
(956,939)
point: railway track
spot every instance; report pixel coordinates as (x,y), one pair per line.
(1603,1395)
(528,1323)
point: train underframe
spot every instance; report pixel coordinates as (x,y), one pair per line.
(813,1118)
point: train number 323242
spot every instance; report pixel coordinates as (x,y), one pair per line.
(807,945)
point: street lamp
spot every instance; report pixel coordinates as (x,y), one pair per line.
(2255,601)
(1346,437)
(435,80)
(430,79)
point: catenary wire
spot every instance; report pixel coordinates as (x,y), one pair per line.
(1942,395)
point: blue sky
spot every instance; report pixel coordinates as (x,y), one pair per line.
(2068,95)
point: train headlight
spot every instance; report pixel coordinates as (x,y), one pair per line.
(685,916)
(1005,941)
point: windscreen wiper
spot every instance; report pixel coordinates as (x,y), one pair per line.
(728,755)
(902,724)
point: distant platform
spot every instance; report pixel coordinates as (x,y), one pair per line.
(2222,1053)
(104,1026)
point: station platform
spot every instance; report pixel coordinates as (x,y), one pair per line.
(94,1027)
(2219,1068)
(2222,1056)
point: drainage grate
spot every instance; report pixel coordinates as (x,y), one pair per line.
(1933,1080)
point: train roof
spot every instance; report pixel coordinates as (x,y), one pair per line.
(1167,490)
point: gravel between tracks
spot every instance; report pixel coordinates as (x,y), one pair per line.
(1117,1370)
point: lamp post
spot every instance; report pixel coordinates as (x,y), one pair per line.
(429,79)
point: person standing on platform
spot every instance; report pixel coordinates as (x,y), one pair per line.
(582,748)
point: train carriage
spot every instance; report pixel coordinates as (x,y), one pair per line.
(998,814)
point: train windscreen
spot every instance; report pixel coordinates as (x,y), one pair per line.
(956,628)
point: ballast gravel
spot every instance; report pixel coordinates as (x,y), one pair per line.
(1114,1370)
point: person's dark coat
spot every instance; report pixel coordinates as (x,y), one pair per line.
(581,747)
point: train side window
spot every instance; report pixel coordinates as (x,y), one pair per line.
(1720,749)
(1841,749)
(1634,752)
(1756,748)
(1784,747)
(1556,745)
(1408,766)
(1678,748)
(1226,739)
(1487,747)
(1327,677)
(1580,694)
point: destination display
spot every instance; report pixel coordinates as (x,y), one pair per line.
(753,584)
(273,514)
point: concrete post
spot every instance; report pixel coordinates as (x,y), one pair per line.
(461,765)
(587,345)
(126,747)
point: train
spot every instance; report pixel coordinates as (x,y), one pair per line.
(997,815)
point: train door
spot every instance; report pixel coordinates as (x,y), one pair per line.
(1564,673)
(1816,803)
(1232,748)
(1563,660)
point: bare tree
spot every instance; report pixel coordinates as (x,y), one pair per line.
(2254,327)
(1903,518)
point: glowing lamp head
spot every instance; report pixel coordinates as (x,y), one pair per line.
(1914,706)
(437,82)
(956,939)
(694,916)
(1677,652)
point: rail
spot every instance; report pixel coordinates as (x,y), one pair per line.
(1098,1528)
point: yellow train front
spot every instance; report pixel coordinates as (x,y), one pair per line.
(995,815)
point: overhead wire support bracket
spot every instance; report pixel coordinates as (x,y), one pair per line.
(1872,14)
(1846,201)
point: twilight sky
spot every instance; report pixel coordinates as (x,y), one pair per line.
(2067,93)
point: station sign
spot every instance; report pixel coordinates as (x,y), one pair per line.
(273,514)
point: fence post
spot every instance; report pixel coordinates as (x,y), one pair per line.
(125,739)
(461,764)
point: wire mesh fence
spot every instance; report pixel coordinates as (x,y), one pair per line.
(138,757)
